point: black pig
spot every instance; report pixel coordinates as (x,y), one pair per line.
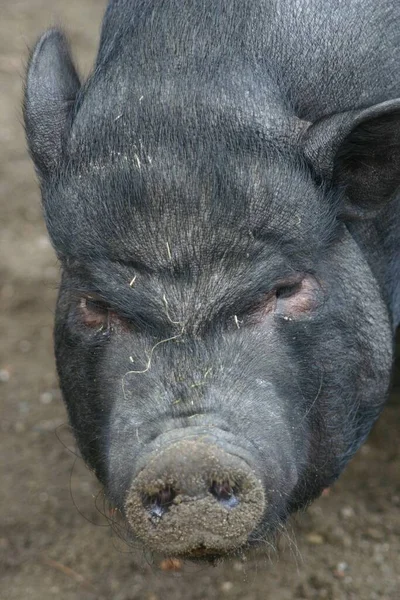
(222,196)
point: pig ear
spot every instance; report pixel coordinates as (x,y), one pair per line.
(51,87)
(360,152)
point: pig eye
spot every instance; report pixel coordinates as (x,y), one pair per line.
(300,297)
(94,313)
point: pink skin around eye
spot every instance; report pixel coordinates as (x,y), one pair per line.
(269,306)
(96,316)
(92,315)
(305,298)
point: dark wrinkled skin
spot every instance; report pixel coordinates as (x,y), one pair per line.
(181,184)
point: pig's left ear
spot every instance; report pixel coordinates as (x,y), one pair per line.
(360,152)
(51,87)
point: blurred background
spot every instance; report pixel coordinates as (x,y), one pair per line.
(56,540)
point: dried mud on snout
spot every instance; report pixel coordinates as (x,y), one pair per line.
(347,545)
(196,518)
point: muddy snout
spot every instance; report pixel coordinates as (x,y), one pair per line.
(194,499)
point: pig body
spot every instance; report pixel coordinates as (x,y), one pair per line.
(222,193)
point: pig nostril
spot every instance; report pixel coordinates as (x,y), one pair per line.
(225,493)
(158,504)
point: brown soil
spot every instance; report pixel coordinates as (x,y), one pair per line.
(54,542)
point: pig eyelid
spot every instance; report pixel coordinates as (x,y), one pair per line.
(88,303)
(289,285)
(93,302)
(287,290)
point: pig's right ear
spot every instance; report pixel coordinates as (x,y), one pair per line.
(51,87)
(360,152)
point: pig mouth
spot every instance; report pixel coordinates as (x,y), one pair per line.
(195,500)
(203,555)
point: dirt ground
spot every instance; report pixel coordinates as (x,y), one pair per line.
(54,541)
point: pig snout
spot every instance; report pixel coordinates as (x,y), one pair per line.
(195,499)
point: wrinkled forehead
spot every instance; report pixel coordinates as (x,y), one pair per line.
(152,204)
